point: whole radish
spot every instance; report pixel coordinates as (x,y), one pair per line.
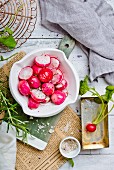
(45,75)
(34,82)
(90,127)
(25,73)
(42,60)
(36,69)
(58,97)
(24,87)
(48,89)
(32,104)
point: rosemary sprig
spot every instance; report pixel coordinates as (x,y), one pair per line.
(11,115)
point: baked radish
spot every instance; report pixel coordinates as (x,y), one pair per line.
(48,89)
(38,95)
(25,73)
(45,75)
(54,63)
(32,104)
(57,76)
(62,85)
(58,97)
(36,69)
(42,60)
(34,82)
(24,87)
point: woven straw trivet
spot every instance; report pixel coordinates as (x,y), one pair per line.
(29,158)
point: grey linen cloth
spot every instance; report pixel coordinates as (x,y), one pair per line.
(91,23)
(7,148)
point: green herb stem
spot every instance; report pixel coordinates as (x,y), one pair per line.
(97,122)
(3,59)
(103,98)
(71,162)
(11,112)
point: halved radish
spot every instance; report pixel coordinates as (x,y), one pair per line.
(57,76)
(54,63)
(58,97)
(36,69)
(62,85)
(24,87)
(34,82)
(42,60)
(32,104)
(38,95)
(48,89)
(25,73)
(47,99)
(57,71)
(45,75)
(65,91)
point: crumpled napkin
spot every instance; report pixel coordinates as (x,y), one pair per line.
(7,148)
(91,23)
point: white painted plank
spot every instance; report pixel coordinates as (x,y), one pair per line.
(95,152)
(85,152)
(91,162)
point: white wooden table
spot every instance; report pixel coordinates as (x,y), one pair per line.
(102,159)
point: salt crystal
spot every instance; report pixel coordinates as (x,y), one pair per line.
(31,117)
(40,126)
(72,133)
(26,121)
(51,130)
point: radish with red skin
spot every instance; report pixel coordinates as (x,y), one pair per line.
(36,69)
(24,87)
(42,60)
(90,127)
(54,63)
(62,85)
(48,89)
(58,97)
(25,73)
(45,75)
(34,82)
(32,104)
(38,95)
